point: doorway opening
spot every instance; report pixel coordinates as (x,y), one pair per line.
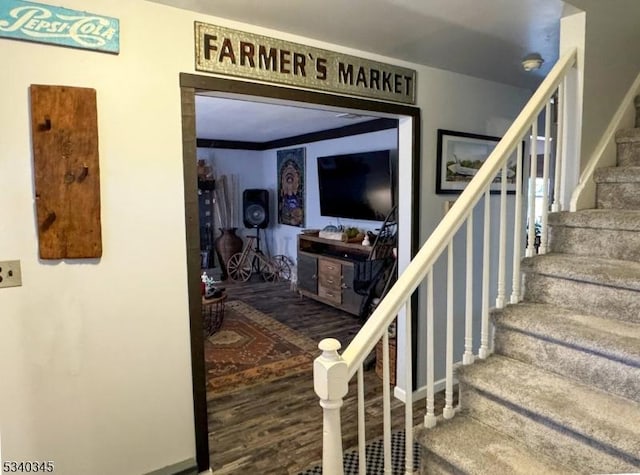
(408,215)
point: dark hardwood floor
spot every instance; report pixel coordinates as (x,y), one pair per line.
(313,319)
(276,428)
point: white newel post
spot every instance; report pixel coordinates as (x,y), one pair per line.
(331,385)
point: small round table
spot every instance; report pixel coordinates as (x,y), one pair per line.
(212,314)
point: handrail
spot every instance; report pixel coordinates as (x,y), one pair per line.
(365,340)
(333,371)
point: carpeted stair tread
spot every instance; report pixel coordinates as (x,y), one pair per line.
(601,352)
(608,420)
(617,175)
(470,447)
(615,219)
(628,135)
(612,339)
(602,271)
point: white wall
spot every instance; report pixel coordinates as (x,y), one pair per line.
(284,236)
(464,104)
(259,170)
(611,63)
(94,355)
(246,165)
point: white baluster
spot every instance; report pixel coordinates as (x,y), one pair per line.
(386,403)
(517,231)
(448,412)
(430,417)
(486,273)
(408,405)
(502,252)
(558,174)
(566,115)
(467,357)
(531,221)
(545,181)
(362,433)
(331,385)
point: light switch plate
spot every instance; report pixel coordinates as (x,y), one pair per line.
(10,274)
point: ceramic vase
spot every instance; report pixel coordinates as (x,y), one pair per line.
(226,245)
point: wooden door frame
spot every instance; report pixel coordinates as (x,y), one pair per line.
(190,84)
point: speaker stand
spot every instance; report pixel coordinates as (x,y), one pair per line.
(255,264)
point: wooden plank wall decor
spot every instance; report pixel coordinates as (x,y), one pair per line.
(64,128)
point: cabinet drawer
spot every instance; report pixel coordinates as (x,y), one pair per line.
(329,281)
(330,294)
(330,275)
(329,269)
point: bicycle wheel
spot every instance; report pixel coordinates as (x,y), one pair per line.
(239,269)
(277,268)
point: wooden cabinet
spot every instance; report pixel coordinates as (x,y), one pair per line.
(350,300)
(307,273)
(325,271)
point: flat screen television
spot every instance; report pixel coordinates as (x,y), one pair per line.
(356,185)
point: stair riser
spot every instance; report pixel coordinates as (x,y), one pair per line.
(431,464)
(618,195)
(629,154)
(597,300)
(587,367)
(609,243)
(551,440)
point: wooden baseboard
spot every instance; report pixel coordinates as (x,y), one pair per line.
(186,467)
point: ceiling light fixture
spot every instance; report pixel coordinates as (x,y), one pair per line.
(532,62)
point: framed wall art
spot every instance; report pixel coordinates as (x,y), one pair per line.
(459,157)
(291,186)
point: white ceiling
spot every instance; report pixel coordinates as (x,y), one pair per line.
(232,119)
(481,38)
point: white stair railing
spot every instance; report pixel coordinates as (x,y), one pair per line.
(332,371)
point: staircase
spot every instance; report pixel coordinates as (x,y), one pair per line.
(561,393)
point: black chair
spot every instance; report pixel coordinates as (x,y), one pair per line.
(372,277)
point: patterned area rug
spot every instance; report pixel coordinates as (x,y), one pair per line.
(252,348)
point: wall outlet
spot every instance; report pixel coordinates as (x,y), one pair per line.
(10,274)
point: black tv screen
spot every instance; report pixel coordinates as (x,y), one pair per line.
(356,186)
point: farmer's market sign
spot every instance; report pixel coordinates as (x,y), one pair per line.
(59,26)
(241,54)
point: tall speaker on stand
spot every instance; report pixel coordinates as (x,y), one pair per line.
(255,208)
(255,211)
